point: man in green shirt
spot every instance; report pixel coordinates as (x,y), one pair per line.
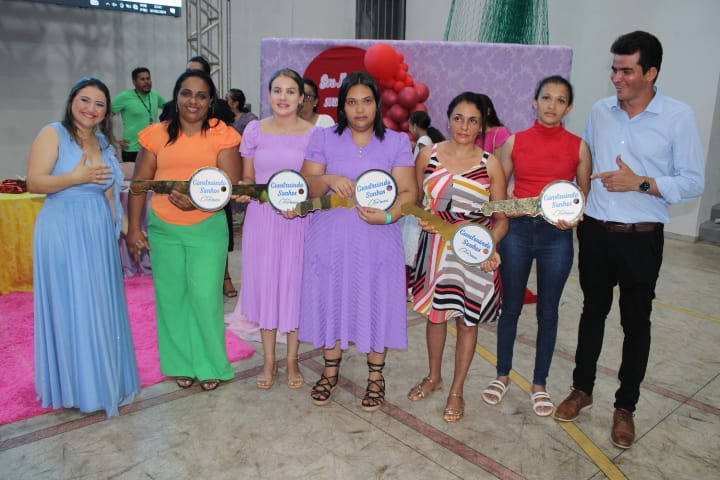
(139,108)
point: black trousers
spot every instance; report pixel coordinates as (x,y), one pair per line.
(631,260)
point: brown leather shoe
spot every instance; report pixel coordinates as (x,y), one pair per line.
(571,407)
(623,430)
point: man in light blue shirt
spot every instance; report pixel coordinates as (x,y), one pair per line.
(647,154)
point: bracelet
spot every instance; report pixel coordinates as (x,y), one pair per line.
(388,218)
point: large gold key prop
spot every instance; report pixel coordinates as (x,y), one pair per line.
(209,188)
(373,188)
(560,200)
(473,244)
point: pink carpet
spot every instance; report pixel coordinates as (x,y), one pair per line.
(17,381)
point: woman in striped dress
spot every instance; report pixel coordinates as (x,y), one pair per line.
(456,178)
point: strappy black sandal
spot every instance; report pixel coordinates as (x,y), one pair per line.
(184,382)
(209,385)
(321,393)
(375,391)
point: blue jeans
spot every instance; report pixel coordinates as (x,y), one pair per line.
(532,238)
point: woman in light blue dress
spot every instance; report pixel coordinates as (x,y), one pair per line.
(84,355)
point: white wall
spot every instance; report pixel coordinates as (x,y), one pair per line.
(251,21)
(45,49)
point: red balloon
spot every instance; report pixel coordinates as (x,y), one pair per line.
(409,81)
(389,123)
(388,97)
(407,97)
(397,86)
(400,75)
(404,66)
(381,60)
(397,114)
(405,126)
(423,91)
(420,107)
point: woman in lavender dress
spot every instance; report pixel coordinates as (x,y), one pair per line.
(273,245)
(353,288)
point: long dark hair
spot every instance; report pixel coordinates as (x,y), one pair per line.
(422,120)
(237,95)
(309,82)
(556,80)
(173,118)
(359,78)
(489,114)
(469,97)
(68,121)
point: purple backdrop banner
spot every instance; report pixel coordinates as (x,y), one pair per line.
(507,73)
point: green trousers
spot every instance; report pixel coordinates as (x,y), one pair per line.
(188,264)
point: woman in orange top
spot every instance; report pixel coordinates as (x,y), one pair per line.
(188,245)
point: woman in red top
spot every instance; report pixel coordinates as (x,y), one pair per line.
(544,153)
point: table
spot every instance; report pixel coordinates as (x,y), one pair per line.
(17,223)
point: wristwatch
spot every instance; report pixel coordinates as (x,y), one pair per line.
(644,186)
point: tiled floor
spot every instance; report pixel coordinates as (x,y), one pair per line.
(240,432)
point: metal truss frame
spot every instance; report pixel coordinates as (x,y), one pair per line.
(208,35)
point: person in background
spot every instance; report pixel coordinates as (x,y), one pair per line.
(492,141)
(188,245)
(353,287)
(544,153)
(235,98)
(420,127)
(138,108)
(84,354)
(496,133)
(457,177)
(647,154)
(272,250)
(309,106)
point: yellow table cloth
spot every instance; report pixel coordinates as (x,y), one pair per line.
(17,223)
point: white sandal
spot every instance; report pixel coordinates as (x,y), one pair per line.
(495,389)
(541,399)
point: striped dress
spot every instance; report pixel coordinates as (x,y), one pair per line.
(442,286)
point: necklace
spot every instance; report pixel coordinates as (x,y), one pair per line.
(148,107)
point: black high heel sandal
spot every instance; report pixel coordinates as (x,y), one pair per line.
(374,399)
(321,393)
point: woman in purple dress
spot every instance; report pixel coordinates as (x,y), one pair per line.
(272,247)
(353,288)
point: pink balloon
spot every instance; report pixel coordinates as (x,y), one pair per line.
(423,91)
(405,126)
(381,60)
(407,97)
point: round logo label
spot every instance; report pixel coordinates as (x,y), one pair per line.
(376,188)
(562,200)
(286,189)
(473,244)
(209,189)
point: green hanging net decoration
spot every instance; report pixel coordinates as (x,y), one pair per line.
(498,21)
